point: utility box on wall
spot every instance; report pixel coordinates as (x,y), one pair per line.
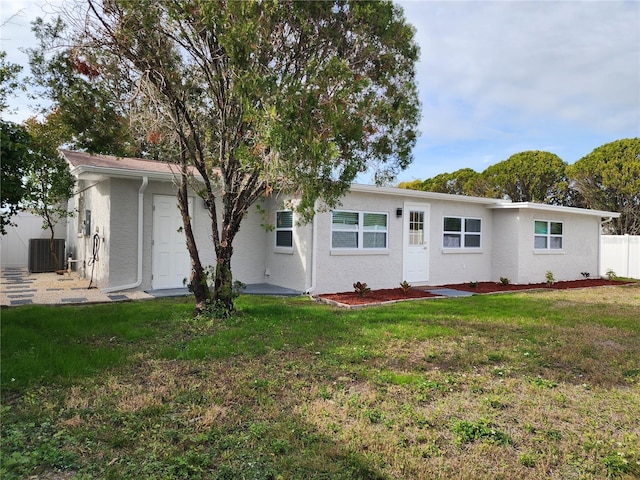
(87,223)
(40,259)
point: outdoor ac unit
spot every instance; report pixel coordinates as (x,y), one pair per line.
(40,259)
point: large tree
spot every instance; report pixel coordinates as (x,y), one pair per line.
(257,96)
(608,178)
(531,176)
(48,181)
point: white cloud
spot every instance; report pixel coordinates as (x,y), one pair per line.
(495,78)
(572,61)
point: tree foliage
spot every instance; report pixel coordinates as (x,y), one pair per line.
(15,157)
(297,97)
(460,182)
(13,147)
(608,178)
(531,176)
(86,107)
(8,80)
(48,181)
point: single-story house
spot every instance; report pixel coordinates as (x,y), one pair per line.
(128,234)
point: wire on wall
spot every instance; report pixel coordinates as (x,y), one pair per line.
(94,258)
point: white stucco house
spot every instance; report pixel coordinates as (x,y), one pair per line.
(128,219)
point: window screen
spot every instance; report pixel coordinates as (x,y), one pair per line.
(284,229)
(358,230)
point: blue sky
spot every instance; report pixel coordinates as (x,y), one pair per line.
(495,78)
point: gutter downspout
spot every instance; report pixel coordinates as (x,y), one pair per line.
(314,247)
(138,282)
(602,222)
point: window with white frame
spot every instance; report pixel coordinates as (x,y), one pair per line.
(547,235)
(461,232)
(284,229)
(358,230)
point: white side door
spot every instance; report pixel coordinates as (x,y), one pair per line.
(170,259)
(416,247)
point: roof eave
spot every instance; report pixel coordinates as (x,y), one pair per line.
(87,171)
(555,208)
(420,194)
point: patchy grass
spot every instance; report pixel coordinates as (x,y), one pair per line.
(518,386)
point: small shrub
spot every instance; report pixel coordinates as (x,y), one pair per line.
(405,286)
(504,281)
(473,284)
(238,287)
(585,274)
(610,274)
(361,288)
(214,309)
(549,278)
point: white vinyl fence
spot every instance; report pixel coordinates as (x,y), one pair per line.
(620,253)
(14,246)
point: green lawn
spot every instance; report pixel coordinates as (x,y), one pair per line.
(529,385)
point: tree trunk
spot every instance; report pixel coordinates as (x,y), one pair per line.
(223,283)
(198,277)
(52,249)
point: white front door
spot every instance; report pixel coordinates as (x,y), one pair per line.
(170,259)
(416,247)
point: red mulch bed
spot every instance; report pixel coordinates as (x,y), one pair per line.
(493,287)
(376,296)
(394,294)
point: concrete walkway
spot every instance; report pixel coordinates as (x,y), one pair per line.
(449,292)
(251,289)
(19,287)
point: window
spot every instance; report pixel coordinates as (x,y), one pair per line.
(358,230)
(284,229)
(416,228)
(547,235)
(460,232)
